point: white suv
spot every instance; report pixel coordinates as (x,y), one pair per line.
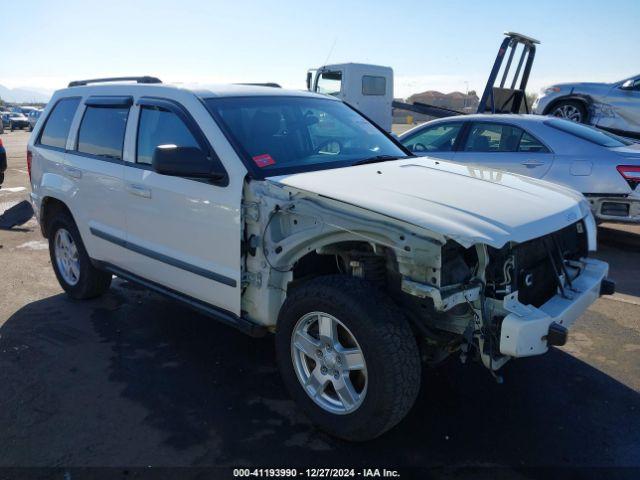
(289,212)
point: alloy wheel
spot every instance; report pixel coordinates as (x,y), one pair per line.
(329,363)
(67,258)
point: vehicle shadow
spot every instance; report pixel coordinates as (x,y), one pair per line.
(135,379)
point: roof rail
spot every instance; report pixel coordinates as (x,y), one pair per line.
(145,79)
(268,84)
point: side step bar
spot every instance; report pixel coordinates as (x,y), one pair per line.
(245,326)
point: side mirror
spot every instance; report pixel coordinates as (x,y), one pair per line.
(309,77)
(185,162)
(628,85)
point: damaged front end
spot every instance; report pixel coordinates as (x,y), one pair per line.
(482,302)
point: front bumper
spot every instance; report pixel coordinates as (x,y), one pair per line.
(525,330)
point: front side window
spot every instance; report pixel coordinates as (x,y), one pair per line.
(329,83)
(373,85)
(160,127)
(295,134)
(438,138)
(492,137)
(102,131)
(56,130)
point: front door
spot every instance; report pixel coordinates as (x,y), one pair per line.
(621,108)
(183,233)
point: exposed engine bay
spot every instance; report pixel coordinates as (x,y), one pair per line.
(455,297)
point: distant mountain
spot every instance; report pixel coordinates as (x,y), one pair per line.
(23,95)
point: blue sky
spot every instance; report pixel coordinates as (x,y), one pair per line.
(430,44)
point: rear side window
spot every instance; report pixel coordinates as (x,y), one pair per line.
(493,137)
(56,130)
(102,131)
(531,144)
(161,127)
(373,85)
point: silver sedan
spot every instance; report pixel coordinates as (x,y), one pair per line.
(603,166)
(612,106)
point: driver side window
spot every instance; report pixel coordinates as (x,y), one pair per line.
(438,138)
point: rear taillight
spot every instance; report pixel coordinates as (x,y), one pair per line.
(631,173)
(29,163)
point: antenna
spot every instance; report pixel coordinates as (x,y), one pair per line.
(335,39)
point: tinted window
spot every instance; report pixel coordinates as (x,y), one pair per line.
(102,131)
(438,138)
(491,137)
(373,85)
(160,127)
(530,144)
(590,134)
(295,134)
(56,129)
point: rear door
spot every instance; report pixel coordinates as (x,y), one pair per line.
(503,146)
(94,164)
(438,140)
(183,233)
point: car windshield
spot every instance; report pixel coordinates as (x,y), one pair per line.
(590,134)
(280,134)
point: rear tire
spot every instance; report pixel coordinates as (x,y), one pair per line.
(368,322)
(70,261)
(572,110)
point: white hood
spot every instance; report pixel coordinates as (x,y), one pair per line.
(466,203)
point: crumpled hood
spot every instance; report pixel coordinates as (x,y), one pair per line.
(469,204)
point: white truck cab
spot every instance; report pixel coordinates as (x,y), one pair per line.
(368,88)
(289,212)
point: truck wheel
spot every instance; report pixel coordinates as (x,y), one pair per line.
(347,356)
(570,110)
(71,264)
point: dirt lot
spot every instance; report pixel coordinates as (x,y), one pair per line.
(134,379)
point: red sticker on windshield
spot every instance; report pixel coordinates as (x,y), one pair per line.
(263,160)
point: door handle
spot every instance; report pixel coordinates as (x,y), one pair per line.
(532,163)
(139,190)
(73,172)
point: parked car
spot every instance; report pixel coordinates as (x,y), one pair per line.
(4,117)
(601,165)
(33,117)
(3,162)
(610,106)
(17,121)
(289,212)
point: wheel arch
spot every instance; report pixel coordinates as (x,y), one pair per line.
(49,207)
(585,100)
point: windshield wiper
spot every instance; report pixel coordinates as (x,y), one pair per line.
(377,159)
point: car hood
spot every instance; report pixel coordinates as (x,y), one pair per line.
(468,204)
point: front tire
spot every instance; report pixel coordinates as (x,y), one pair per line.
(71,263)
(570,110)
(347,356)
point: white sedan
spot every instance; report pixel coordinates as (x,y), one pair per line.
(603,166)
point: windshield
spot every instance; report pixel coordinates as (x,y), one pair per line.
(590,134)
(278,134)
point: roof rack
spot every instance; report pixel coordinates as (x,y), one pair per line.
(144,79)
